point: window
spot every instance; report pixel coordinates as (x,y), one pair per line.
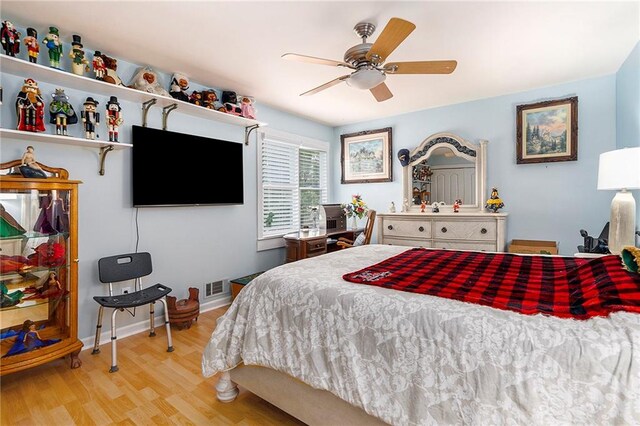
(292,178)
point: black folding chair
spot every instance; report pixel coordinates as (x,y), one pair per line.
(126,267)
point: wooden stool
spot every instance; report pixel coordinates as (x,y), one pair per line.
(183,312)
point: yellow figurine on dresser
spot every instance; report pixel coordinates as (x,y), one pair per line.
(38,268)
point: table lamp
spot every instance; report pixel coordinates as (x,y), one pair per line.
(620,170)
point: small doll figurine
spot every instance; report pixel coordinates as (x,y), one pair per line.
(61,112)
(147,80)
(28,339)
(30,107)
(79,64)
(248,111)
(494,203)
(230,102)
(456,206)
(423,206)
(210,101)
(28,167)
(51,289)
(10,38)
(179,87)
(98,65)
(114,118)
(90,117)
(33,46)
(392,207)
(435,208)
(111,68)
(196,98)
(53,43)
(405,206)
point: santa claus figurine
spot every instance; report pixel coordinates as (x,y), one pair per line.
(30,107)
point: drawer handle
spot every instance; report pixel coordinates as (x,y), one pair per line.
(390,227)
(444,229)
(483,231)
(421,229)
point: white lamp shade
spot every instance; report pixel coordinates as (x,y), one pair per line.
(619,169)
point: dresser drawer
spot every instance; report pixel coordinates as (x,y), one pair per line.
(467,230)
(406,228)
(465,245)
(315,247)
(407,242)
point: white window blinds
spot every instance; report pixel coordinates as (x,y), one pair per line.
(292,179)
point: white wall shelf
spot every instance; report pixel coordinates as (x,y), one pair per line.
(104,146)
(26,69)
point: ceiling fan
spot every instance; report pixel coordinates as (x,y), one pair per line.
(367,60)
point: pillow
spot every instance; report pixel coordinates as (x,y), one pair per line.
(360,240)
(631,259)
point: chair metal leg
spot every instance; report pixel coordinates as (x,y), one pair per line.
(114,354)
(167,324)
(96,344)
(152,319)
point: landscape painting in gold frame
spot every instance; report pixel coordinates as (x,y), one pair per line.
(547,131)
(366,156)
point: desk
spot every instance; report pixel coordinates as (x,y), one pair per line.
(304,244)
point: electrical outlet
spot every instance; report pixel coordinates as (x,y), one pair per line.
(126,290)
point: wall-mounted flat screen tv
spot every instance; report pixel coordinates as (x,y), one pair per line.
(177,169)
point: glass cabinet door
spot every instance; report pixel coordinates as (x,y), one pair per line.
(34,269)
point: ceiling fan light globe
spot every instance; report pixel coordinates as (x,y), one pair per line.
(366,79)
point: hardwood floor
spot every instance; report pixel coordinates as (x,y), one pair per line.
(152,387)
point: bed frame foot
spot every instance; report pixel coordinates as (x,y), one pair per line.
(226,390)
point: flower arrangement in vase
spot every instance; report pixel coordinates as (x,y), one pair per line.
(356,209)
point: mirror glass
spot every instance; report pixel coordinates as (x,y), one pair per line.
(444,177)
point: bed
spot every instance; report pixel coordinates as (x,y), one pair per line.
(301,335)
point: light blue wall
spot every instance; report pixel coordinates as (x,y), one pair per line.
(628,110)
(549,201)
(189,245)
(628,101)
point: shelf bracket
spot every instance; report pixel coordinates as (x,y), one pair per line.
(165,114)
(247,132)
(145,110)
(103,155)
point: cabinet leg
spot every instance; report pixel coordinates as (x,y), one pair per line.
(75,359)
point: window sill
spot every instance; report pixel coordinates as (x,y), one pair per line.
(270,243)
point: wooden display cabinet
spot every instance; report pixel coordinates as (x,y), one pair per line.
(43,243)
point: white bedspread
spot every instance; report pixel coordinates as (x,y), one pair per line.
(415,359)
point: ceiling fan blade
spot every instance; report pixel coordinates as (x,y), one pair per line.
(393,34)
(421,67)
(314,60)
(381,92)
(325,86)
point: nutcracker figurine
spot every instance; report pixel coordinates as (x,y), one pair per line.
(98,65)
(90,118)
(31,41)
(114,118)
(79,64)
(61,112)
(10,38)
(30,107)
(52,40)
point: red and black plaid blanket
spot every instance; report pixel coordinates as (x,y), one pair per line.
(561,286)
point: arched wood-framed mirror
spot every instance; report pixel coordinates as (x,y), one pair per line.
(445,168)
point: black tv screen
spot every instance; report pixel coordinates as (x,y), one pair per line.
(204,171)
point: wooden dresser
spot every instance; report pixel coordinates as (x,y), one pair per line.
(462,231)
(301,245)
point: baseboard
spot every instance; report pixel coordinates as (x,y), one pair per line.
(143,326)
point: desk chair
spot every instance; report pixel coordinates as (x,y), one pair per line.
(363,238)
(118,269)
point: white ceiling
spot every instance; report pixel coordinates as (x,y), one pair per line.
(501,47)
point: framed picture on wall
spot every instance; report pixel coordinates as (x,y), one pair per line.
(366,156)
(547,131)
